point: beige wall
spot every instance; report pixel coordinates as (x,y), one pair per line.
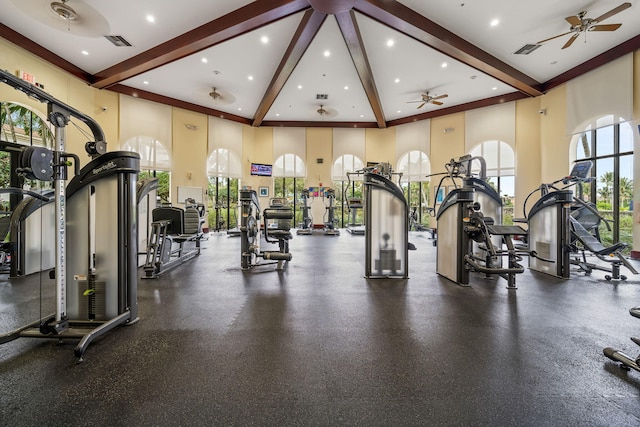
(542,146)
(189,151)
(319,146)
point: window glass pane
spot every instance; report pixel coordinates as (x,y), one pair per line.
(583,146)
(626,137)
(604,141)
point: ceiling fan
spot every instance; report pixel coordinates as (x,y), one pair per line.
(215,95)
(428,99)
(580,24)
(326,112)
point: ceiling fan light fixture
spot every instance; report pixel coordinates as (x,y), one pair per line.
(64,12)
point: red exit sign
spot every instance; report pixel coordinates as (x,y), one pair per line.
(27,77)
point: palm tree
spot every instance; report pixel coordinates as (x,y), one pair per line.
(606,191)
(626,191)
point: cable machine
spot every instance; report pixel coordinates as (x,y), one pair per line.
(95,273)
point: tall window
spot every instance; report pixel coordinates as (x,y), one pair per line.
(19,126)
(224,171)
(610,148)
(414,167)
(154,162)
(501,170)
(347,187)
(289,173)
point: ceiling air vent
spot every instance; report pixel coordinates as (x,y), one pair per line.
(322,96)
(118,41)
(526,49)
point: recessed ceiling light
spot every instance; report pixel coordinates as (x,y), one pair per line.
(397,80)
(390,43)
(151,18)
(444,65)
(145,82)
(495,22)
(399,111)
(327,53)
(299,86)
(84,52)
(250,77)
(494,88)
(346,88)
(204,60)
(264,39)
(277,114)
(239,108)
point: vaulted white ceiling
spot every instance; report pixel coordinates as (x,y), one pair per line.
(269,60)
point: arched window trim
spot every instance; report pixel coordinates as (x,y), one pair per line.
(151,152)
(417,167)
(224,163)
(343,164)
(288,162)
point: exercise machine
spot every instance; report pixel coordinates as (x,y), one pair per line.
(626,362)
(147,197)
(330,220)
(353,226)
(386,228)
(306,226)
(277,230)
(563,227)
(470,240)
(95,273)
(175,237)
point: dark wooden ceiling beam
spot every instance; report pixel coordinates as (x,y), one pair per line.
(500,99)
(612,54)
(166,100)
(307,30)
(353,39)
(248,18)
(34,48)
(399,17)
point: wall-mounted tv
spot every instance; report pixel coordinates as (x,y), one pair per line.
(260,169)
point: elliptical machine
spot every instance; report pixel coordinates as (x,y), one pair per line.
(306,226)
(330,220)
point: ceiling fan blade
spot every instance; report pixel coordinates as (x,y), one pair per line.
(554,37)
(613,11)
(571,40)
(436,102)
(574,21)
(605,27)
(440,96)
(420,106)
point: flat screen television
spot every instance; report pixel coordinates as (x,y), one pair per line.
(260,169)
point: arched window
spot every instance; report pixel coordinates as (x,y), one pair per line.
(154,162)
(501,171)
(289,166)
(153,155)
(224,170)
(20,126)
(415,166)
(347,187)
(289,173)
(224,163)
(610,148)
